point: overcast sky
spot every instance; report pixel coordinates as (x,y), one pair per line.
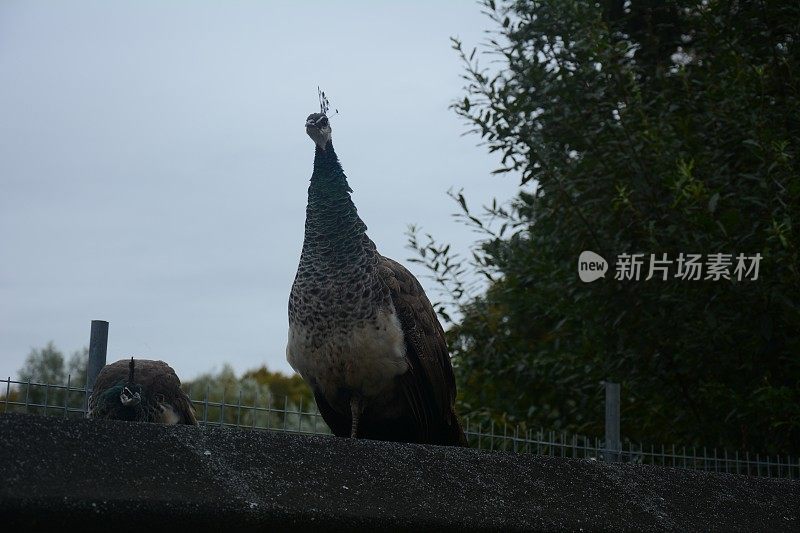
(154,165)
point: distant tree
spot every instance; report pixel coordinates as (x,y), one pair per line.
(636,127)
(258,398)
(47,365)
(281,385)
(48,374)
(76,367)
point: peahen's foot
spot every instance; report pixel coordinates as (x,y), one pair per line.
(355,414)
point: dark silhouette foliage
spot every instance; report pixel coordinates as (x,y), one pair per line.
(636,127)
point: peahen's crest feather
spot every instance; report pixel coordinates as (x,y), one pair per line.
(324,103)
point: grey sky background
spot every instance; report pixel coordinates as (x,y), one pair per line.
(154,165)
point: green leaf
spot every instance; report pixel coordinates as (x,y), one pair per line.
(712,202)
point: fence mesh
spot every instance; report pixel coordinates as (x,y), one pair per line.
(249,409)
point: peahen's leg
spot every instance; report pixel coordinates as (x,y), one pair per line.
(356,407)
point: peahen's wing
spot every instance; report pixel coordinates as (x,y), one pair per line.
(160,381)
(429,386)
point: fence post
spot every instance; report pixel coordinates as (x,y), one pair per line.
(612,422)
(98,344)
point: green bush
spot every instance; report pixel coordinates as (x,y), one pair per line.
(636,127)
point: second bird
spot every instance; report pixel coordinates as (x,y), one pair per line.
(362,332)
(140,391)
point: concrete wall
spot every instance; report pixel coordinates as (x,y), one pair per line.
(120,476)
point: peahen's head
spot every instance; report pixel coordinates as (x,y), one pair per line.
(318,128)
(131,394)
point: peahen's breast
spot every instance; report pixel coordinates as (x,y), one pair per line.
(362,356)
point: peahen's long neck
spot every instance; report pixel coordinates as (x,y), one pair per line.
(334,232)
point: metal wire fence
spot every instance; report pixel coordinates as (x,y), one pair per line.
(249,409)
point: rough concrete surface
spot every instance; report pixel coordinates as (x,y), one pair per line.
(125,476)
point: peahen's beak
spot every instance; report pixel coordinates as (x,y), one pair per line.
(129,398)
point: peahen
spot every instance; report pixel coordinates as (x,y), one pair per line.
(140,391)
(362,332)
